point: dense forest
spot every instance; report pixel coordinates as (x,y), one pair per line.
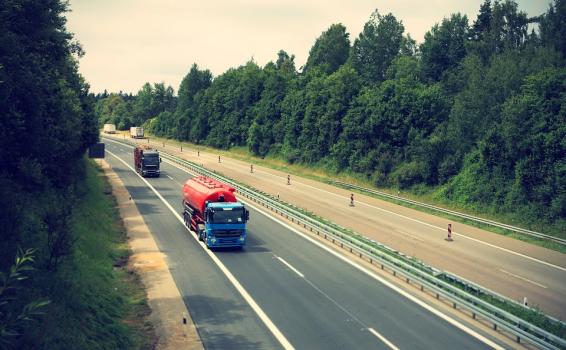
(47,122)
(476,113)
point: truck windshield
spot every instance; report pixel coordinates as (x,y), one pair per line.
(151,159)
(235,215)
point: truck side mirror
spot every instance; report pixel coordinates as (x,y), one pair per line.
(246,215)
(160,160)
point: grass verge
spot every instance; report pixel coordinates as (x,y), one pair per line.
(97,303)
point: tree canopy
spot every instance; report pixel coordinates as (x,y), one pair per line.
(438,115)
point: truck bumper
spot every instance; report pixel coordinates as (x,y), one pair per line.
(218,242)
(150,173)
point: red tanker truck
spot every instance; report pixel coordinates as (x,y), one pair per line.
(211,210)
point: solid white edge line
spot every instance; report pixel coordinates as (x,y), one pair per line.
(432,226)
(290,267)
(383,339)
(247,297)
(385,282)
(453,232)
(374,276)
(523,278)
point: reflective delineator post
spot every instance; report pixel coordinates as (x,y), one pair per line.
(449,238)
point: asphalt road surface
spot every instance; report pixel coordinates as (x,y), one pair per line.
(510,267)
(282,290)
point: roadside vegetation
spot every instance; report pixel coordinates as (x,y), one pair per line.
(62,283)
(471,118)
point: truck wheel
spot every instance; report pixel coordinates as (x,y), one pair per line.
(201,233)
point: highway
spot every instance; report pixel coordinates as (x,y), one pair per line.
(282,290)
(508,266)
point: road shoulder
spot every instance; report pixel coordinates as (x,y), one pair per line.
(173,325)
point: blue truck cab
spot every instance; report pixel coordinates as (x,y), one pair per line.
(225,224)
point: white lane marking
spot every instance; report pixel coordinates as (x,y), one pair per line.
(391,345)
(374,276)
(523,278)
(175,181)
(439,228)
(453,232)
(247,297)
(430,225)
(383,339)
(290,267)
(384,282)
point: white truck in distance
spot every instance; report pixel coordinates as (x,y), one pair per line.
(136,132)
(109,129)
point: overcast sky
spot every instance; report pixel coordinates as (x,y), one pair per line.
(130,42)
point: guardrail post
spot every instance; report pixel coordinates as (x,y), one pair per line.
(399,268)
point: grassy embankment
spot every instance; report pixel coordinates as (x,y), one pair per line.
(430,195)
(97,303)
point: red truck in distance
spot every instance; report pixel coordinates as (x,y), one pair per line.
(212,211)
(146,161)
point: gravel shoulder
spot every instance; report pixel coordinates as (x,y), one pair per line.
(164,299)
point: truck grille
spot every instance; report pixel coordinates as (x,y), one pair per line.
(227,233)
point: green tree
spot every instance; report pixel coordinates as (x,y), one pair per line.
(196,80)
(553,26)
(376,47)
(330,50)
(444,46)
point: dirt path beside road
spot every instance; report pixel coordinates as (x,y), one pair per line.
(165,301)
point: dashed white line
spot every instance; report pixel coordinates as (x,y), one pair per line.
(383,281)
(290,267)
(523,278)
(383,339)
(247,297)
(432,226)
(170,177)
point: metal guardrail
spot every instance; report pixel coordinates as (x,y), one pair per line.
(413,271)
(452,212)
